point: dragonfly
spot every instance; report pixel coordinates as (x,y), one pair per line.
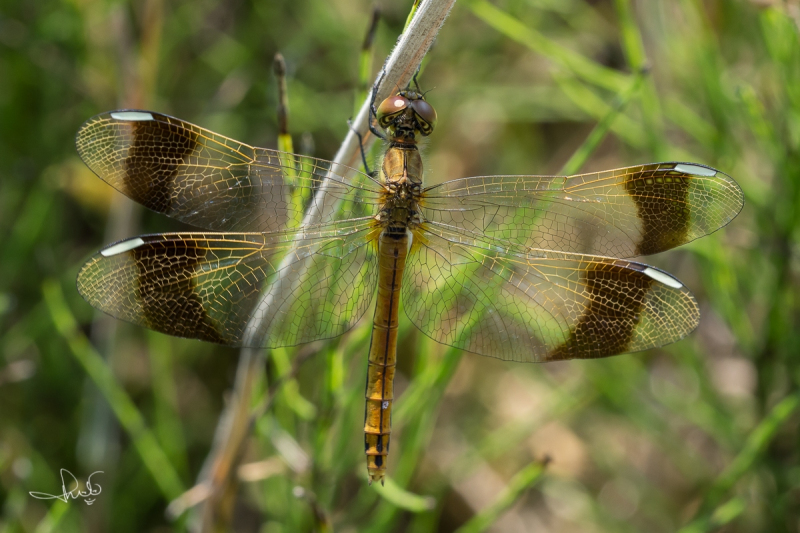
(520,268)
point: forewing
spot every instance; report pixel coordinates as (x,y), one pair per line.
(248,289)
(494,299)
(213,182)
(625,213)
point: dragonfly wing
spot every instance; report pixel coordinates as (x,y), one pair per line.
(489,297)
(248,289)
(626,212)
(213,182)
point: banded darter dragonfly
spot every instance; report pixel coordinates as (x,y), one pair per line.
(520,268)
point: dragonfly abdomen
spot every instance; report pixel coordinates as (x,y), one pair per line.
(392,251)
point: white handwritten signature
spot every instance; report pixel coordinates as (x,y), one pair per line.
(91,490)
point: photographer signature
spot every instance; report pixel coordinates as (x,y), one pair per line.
(91,490)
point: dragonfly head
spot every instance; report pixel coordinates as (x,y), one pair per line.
(406,114)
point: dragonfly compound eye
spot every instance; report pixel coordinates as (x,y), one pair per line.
(389,108)
(426,115)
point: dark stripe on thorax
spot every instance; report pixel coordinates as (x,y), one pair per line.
(404,146)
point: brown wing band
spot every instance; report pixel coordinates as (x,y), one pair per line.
(169,299)
(608,324)
(157,151)
(662,205)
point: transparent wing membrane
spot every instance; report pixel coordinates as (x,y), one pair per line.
(624,213)
(213,182)
(488,297)
(230,288)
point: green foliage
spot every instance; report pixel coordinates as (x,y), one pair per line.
(696,436)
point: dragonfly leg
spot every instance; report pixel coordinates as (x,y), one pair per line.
(375,131)
(372,173)
(373,111)
(416,83)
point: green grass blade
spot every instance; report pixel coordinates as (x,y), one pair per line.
(411,14)
(753,449)
(522,481)
(576,63)
(593,105)
(290,391)
(52,520)
(153,457)
(168,426)
(403,499)
(633,46)
(599,132)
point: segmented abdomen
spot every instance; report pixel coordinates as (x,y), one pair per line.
(392,250)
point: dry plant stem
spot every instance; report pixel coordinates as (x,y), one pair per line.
(234,424)
(284,137)
(279,68)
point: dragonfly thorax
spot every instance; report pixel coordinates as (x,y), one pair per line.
(401,206)
(401,174)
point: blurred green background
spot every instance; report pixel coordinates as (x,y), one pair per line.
(698,436)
